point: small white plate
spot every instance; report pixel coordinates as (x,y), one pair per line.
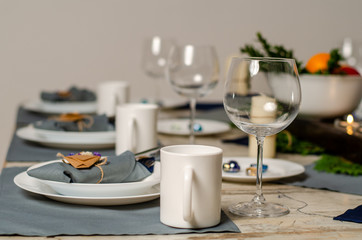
(29,184)
(166,103)
(71,140)
(60,107)
(277,169)
(101,190)
(181,126)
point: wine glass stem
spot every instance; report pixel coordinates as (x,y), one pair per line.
(259,170)
(192,119)
(157,90)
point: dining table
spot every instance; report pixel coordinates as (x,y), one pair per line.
(312,208)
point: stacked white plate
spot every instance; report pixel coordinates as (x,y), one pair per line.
(93,194)
(72,140)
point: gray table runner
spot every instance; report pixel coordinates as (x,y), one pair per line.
(27,214)
(25,117)
(329,181)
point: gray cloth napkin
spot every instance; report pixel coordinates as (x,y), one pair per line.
(27,214)
(100,123)
(76,95)
(118,169)
(322,180)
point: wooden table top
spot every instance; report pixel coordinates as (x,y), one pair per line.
(311,210)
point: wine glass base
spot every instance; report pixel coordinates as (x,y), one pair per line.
(256,209)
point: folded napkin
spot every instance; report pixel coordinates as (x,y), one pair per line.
(351,215)
(75,122)
(74,94)
(118,169)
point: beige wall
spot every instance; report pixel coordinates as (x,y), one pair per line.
(51,44)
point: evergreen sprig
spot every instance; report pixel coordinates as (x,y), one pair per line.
(334,164)
(269,51)
(333,62)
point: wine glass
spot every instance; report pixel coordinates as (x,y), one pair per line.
(261,97)
(155,51)
(193,71)
(352,53)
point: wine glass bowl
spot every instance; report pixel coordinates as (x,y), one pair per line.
(261,97)
(193,72)
(154,60)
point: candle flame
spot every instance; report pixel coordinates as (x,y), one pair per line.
(350,119)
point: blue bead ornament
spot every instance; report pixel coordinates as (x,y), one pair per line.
(197,127)
(265,167)
(231,166)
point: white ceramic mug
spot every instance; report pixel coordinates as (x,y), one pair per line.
(111,94)
(136,127)
(191,186)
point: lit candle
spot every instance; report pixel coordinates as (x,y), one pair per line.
(350,125)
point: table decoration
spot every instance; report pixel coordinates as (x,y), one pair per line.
(36,215)
(273,169)
(73,94)
(350,126)
(330,87)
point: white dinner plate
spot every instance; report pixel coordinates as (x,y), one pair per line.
(29,184)
(166,103)
(277,169)
(181,126)
(102,189)
(60,107)
(71,140)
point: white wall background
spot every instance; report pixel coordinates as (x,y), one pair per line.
(52,44)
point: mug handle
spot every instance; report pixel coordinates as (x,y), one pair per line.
(187,194)
(132,135)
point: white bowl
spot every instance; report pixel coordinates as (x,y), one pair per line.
(329,96)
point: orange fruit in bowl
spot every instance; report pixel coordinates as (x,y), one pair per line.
(318,62)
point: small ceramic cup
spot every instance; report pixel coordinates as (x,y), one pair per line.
(110,94)
(136,127)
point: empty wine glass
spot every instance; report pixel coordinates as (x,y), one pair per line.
(261,97)
(193,71)
(352,53)
(155,51)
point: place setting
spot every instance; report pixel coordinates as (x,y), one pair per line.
(74,99)
(125,179)
(72,130)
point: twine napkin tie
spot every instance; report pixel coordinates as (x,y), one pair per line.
(85,160)
(83,121)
